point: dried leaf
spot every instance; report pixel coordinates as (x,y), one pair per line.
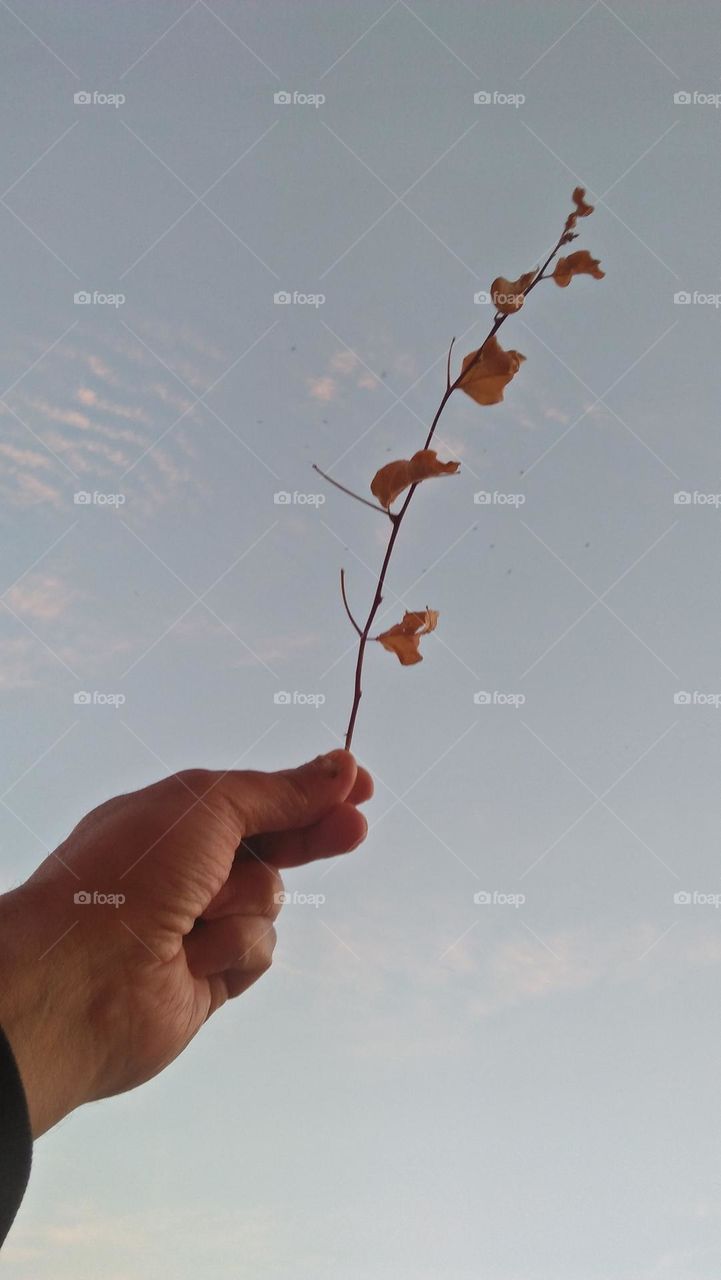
(582,209)
(579,199)
(493,370)
(394,477)
(577,264)
(403,639)
(507,295)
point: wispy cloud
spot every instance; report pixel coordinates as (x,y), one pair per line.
(323,388)
(40,596)
(98,411)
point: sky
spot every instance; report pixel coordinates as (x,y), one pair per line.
(490,1046)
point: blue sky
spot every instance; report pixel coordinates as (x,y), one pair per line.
(424,1085)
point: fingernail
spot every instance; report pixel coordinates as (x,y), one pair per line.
(332,762)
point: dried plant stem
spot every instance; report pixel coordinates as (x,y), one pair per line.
(345,602)
(397,517)
(366,501)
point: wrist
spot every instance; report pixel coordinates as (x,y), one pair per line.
(41,998)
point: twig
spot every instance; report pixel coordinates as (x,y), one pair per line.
(448,365)
(345,602)
(366,501)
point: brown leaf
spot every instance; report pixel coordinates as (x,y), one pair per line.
(579,199)
(394,477)
(403,639)
(577,264)
(582,209)
(507,295)
(493,370)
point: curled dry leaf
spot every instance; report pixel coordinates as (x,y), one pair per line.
(579,199)
(403,639)
(397,476)
(582,209)
(577,264)
(486,379)
(507,295)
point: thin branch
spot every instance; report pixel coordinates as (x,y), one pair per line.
(366,502)
(345,602)
(448,365)
(397,518)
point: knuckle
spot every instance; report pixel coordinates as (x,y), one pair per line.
(198,781)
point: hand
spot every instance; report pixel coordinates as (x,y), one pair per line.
(99,996)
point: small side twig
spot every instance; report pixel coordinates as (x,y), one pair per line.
(448,365)
(366,501)
(345,602)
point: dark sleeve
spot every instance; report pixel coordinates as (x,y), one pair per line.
(16,1142)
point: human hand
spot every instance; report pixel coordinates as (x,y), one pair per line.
(99,997)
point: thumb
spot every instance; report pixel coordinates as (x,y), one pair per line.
(290,798)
